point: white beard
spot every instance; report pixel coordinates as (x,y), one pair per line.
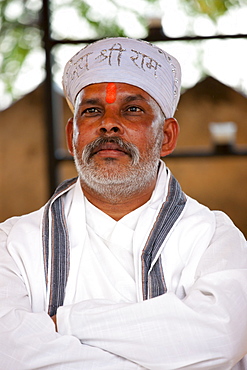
(114,181)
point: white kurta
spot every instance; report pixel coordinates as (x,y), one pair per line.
(103,259)
(200,322)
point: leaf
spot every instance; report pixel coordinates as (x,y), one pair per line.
(212,8)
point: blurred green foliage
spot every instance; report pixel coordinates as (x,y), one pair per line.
(20,33)
(21,26)
(21,30)
(212,8)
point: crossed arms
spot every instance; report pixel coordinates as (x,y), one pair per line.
(207,328)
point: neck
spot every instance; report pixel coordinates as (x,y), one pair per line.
(118,206)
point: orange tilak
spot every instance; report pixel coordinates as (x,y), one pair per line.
(111,91)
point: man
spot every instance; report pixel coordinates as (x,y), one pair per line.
(121,270)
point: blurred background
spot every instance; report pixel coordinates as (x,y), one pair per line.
(208,37)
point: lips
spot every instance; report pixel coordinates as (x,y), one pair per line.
(108,147)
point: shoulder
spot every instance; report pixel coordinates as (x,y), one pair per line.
(31,222)
(225,246)
(197,220)
(21,224)
(201,229)
(226,227)
(223,226)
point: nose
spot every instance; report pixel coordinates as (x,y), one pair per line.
(110,125)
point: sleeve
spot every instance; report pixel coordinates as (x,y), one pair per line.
(28,340)
(206,329)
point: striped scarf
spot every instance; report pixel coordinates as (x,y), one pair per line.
(56,248)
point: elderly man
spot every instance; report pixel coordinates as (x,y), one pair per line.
(121,270)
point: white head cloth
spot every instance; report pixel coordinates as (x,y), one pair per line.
(125,60)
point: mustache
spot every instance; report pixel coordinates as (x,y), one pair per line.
(125,146)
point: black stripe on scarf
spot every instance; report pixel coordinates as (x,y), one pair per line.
(60,250)
(153,283)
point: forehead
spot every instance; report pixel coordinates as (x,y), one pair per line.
(123,89)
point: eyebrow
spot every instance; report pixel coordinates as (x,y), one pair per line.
(127,99)
(131,98)
(91,101)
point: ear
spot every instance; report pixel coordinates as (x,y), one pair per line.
(171,132)
(69,135)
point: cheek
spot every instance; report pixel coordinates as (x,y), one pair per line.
(155,124)
(81,139)
(75,134)
(111,93)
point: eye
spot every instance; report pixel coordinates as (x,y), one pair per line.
(90,111)
(134,109)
